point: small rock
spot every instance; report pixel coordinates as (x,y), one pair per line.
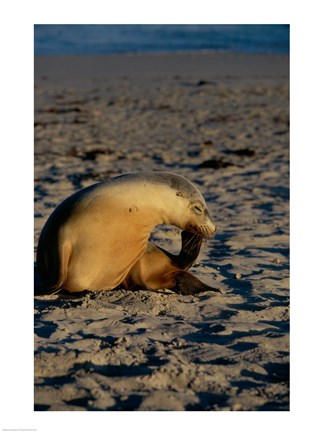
(238,276)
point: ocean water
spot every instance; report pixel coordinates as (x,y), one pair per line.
(108,39)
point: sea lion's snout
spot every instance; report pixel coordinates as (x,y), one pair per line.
(212,229)
(207,230)
(208,225)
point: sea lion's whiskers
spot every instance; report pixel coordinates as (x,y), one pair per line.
(192,243)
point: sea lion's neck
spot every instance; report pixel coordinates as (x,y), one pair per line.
(161,206)
(150,203)
(157,203)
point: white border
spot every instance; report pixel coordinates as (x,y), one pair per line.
(17,207)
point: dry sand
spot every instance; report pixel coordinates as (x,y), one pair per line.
(223,122)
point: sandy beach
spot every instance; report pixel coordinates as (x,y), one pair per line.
(222,121)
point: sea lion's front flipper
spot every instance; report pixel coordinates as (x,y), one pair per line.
(186,283)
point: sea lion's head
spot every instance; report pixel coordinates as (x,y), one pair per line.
(195,216)
(199,220)
(174,197)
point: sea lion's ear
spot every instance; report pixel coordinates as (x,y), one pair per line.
(181,194)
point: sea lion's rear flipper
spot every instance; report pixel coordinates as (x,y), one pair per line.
(186,283)
(190,248)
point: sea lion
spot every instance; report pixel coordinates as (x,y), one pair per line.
(97,239)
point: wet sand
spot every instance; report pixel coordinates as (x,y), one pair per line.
(223,122)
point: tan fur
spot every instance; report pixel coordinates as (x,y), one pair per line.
(98,237)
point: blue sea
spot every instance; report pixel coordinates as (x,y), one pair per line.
(109,39)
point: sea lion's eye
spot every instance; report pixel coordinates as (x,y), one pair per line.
(197,209)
